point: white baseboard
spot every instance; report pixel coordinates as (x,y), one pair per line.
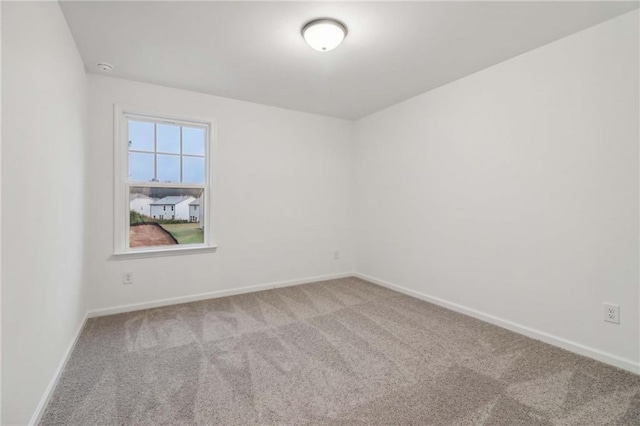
(569,345)
(211,295)
(44,401)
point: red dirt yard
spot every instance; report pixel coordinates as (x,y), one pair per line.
(149,234)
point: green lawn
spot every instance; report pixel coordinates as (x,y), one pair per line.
(185,233)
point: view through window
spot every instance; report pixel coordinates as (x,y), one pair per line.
(166,183)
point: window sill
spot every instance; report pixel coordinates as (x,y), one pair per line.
(138,254)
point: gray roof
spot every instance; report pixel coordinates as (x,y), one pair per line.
(195,202)
(172,200)
(138,195)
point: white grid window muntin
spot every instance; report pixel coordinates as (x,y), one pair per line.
(157,154)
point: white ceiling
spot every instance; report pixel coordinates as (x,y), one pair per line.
(253,50)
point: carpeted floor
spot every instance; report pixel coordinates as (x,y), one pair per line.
(335,352)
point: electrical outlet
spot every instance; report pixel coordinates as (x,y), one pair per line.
(336,255)
(127,278)
(612,313)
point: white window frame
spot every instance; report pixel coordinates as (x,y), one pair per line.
(122,183)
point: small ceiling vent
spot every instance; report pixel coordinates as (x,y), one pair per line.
(103,66)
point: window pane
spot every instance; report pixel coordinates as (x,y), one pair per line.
(140,136)
(168,168)
(193,169)
(192,141)
(165,216)
(140,167)
(168,138)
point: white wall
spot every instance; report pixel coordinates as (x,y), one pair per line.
(43,140)
(282,197)
(0,218)
(182,209)
(514,191)
(141,205)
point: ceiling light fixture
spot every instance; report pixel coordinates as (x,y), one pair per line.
(324,34)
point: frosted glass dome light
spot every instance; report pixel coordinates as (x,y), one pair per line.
(324,34)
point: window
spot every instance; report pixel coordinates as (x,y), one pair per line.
(163,165)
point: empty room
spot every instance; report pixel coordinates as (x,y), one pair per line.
(320,213)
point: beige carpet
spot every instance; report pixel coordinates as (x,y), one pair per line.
(334,352)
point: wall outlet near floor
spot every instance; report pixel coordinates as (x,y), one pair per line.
(612,313)
(336,255)
(127,278)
